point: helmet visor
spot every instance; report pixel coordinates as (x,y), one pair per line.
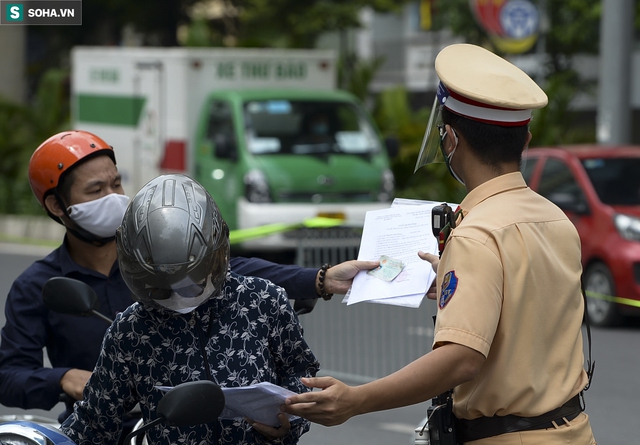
(186,296)
(189,289)
(186,288)
(430,151)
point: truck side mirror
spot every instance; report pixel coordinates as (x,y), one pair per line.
(225,147)
(393,146)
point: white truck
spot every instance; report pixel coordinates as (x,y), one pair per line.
(264,130)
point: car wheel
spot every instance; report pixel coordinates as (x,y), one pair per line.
(598,279)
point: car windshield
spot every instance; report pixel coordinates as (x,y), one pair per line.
(308,127)
(616,180)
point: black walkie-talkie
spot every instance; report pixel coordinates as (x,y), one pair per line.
(441,422)
(442,221)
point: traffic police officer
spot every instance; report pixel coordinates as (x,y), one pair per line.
(508,334)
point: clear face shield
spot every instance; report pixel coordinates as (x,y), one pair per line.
(430,151)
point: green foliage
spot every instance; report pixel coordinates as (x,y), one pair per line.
(13,177)
(158,20)
(553,124)
(199,34)
(355,75)
(22,129)
(573,26)
(457,16)
(573,29)
(394,116)
(298,24)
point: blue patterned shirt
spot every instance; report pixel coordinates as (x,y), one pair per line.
(248,334)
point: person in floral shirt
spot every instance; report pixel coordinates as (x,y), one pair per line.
(194,319)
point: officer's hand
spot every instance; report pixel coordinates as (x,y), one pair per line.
(73,382)
(434,260)
(335,404)
(338,278)
(270,432)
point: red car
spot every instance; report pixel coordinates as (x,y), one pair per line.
(599,189)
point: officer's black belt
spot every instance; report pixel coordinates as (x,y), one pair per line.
(483,427)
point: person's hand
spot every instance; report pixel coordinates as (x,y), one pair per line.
(270,432)
(73,382)
(432,293)
(338,278)
(433,259)
(334,405)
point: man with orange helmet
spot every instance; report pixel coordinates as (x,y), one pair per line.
(53,169)
(73,175)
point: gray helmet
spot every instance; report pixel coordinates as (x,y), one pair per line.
(173,242)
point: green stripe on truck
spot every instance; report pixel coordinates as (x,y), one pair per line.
(114,110)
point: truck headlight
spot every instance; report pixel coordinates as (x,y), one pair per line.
(387,186)
(628,226)
(256,188)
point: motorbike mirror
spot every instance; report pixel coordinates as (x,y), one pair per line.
(188,404)
(72,297)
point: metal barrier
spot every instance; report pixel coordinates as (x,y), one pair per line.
(331,245)
(364,341)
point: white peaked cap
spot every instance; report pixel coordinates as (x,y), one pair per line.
(485,87)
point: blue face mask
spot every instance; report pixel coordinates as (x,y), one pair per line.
(449,157)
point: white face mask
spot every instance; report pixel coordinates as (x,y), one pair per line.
(184,305)
(100,217)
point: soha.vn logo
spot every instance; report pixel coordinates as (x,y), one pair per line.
(15,12)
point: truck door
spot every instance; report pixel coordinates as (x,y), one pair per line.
(147,139)
(217,165)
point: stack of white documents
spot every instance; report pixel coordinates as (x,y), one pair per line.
(398,232)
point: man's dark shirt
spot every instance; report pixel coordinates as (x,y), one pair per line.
(74,342)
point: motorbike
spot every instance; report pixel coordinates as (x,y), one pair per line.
(181,406)
(73,297)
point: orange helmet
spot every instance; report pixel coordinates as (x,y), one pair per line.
(58,154)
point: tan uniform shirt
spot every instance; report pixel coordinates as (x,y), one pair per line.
(509,287)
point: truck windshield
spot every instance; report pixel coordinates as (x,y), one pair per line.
(308,127)
(616,180)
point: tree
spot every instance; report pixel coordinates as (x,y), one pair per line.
(282,23)
(22,129)
(574,29)
(395,117)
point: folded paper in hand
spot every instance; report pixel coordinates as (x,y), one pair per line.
(260,402)
(398,232)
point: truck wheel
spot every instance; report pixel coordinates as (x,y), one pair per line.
(598,279)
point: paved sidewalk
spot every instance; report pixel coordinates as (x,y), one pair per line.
(35,233)
(18,248)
